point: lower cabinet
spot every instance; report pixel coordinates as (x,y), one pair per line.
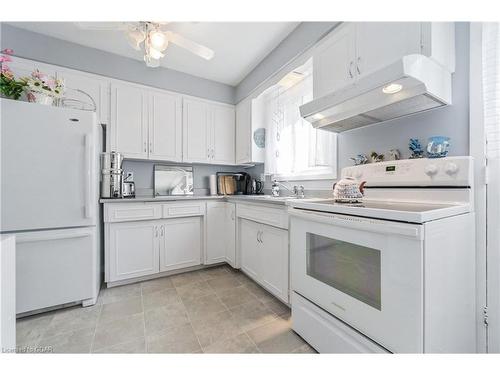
(221,233)
(133,249)
(141,248)
(180,243)
(264,256)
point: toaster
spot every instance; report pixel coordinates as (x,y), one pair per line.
(128,189)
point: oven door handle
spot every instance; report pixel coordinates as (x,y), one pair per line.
(360,223)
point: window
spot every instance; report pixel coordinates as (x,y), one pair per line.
(294,149)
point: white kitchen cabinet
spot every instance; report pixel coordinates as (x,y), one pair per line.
(333,61)
(223,133)
(208,132)
(96,87)
(129,125)
(274,257)
(221,233)
(180,243)
(230,232)
(251,262)
(243,131)
(196,131)
(354,50)
(379,44)
(165,126)
(133,249)
(216,232)
(249,121)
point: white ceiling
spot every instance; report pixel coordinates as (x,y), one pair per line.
(238,46)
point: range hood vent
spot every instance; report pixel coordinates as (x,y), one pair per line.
(411,85)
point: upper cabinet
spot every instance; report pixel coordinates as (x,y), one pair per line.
(129,124)
(165,126)
(208,132)
(354,50)
(94,86)
(146,123)
(250,133)
(333,61)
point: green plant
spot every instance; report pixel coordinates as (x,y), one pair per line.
(9,86)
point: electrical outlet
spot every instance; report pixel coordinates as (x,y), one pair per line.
(129,177)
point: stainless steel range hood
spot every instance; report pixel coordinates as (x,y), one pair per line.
(413,84)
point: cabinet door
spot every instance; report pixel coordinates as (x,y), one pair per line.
(196,134)
(180,243)
(223,128)
(165,126)
(133,249)
(95,87)
(334,61)
(243,131)
(129,131)
(216,232)
(274,253)
(250,248)
(230,235)
(379,44)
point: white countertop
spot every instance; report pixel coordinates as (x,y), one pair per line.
(235,198)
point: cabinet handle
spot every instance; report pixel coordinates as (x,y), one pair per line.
(156,231)
(357,65)
(162,230)
(350,69)
(261,234)
(150,146)
(258,232)
(208,153)
(145,146)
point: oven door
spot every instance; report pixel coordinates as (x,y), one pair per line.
(366,272)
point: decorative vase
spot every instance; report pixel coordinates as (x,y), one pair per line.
(40,98)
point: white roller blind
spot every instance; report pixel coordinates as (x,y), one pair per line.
(491,87)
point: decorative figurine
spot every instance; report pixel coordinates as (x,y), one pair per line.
(416,149)
(376,158)
(438,147)
(360,159)
(394,154)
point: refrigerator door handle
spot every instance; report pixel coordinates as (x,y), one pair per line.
(88,176)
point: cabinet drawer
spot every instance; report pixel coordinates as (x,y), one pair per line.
(326,333)
(131,212)
(276,217)
(183,209)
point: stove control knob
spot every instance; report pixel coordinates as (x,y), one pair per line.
(431,170)
(451,168)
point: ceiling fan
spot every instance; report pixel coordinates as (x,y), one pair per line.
(151,38)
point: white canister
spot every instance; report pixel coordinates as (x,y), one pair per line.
(213,184)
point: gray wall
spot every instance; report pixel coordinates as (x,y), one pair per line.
(300,39)
(452,121)
(143,174)
(71,55)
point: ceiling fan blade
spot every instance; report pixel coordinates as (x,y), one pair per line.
(104,26)
(191,46)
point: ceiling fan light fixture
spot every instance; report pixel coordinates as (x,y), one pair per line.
(158,40)
(135,37)
(155,54)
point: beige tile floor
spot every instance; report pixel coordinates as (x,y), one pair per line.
(216,310)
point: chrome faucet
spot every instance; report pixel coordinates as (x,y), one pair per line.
(296,190)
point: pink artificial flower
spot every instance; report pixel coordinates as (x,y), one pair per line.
(39,75)
(8,51)
(5,59)
(51,84)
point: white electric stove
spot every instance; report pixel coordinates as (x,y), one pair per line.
(393,273)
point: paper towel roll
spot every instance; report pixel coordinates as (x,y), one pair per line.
(213,184)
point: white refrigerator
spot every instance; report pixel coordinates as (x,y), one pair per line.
(49,200)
